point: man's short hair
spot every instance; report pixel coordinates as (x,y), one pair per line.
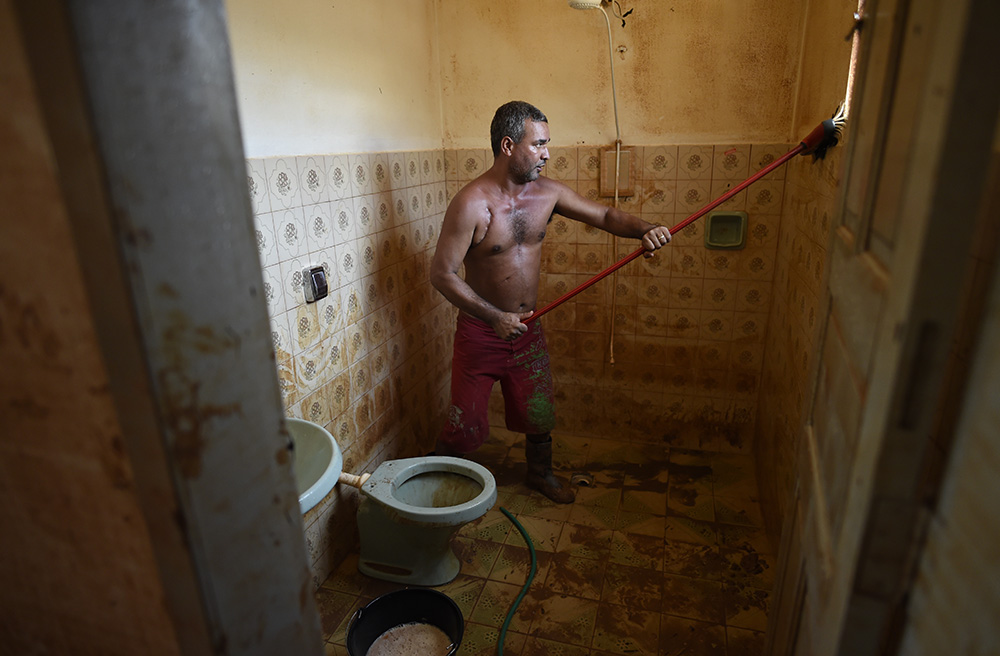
(509,122)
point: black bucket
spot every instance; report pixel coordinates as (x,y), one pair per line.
(407,606)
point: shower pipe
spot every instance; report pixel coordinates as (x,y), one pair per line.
(824,136)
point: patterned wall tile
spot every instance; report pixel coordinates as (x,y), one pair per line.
(588,164)
(659,163)
(411,168)
(318,227)
(342,217)
(293,280)
(753,295)
(274,292)
(305,327)
(731,162)
(360,174)
(723,264)
(414,204)
(312,179)
(282,183)
(695,162)
(685,292)
(749,327)
(763,155)
(562,163)
(683,323)
(260,201)
(692,195)
(712,354)
(719,294)
(364,215)
(592,258)
(338,177)
(651,320)
(381,179)
(397,170)
(267,249)
(310,367)
(330,312)
(764,197)
(687,262)
(757,264)
(658,196)
(281,339)
(437,163)
(736,203)
(471,163)
(290,233)
(689,235)
(716,325)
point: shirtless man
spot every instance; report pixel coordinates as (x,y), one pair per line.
(495,226)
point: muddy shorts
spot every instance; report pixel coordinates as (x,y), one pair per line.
(481,359)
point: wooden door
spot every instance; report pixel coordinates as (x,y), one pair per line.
(918,149)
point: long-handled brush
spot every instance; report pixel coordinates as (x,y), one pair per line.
(823,137)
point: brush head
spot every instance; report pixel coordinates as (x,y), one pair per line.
(826,135)
(585,4)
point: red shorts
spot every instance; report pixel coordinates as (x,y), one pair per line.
(480,359)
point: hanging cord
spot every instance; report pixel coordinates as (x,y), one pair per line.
(524,590)
(618,159)
(614,254)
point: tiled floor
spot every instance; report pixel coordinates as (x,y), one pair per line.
(663,554)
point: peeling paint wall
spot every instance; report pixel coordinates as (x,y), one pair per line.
(685,72)
(76,558)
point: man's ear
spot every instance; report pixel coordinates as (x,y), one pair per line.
(507,146)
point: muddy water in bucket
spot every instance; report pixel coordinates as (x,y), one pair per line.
(417,638)
(409,621)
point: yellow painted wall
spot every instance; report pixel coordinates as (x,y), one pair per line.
(691,72)
(316,77)
(324,77)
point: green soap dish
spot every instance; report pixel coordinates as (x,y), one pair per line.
(726,230)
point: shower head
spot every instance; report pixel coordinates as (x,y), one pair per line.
(585,4)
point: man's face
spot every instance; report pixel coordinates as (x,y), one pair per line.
(528,157)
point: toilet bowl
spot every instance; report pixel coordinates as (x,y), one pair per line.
(409,510)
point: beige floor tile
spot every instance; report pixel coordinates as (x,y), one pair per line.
(625,630)
(680,636)
(695,599)
(585,541)
(576,577)
(633,587)
(741,642)
(637,550)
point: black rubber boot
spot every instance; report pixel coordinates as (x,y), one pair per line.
(540,476)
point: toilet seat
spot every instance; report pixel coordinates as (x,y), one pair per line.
(389,483)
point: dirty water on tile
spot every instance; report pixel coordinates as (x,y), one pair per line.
(663,554)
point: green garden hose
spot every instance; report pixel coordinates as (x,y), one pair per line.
(524,590)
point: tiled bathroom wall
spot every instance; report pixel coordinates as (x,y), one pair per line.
(370,361)
(668,349)
(795,316)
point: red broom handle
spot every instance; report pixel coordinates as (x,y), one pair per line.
(677,228)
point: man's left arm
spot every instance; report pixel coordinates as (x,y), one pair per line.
(610,219)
